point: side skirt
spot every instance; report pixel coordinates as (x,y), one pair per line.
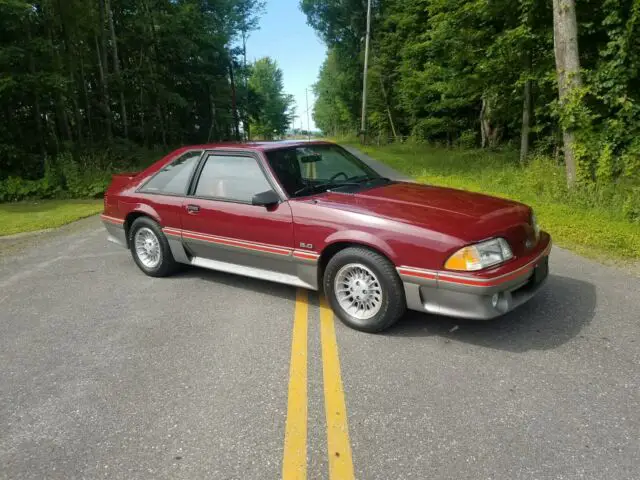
(177,250)
(304,273)
(252,272)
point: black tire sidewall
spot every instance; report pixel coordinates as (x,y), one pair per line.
(393,300)
(167,262)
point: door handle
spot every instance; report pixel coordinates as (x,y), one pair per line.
(193,208)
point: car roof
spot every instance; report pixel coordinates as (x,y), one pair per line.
(263,146)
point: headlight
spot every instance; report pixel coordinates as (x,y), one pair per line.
(534,224)
(480,255)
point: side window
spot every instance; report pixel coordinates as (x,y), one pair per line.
(174,177)
(231,178)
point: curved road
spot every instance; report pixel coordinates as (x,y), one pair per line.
(107,373)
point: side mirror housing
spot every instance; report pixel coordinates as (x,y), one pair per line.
(265,199)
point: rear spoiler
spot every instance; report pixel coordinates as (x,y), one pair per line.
(120,180)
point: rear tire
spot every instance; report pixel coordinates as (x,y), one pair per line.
(150,248)
(364,289)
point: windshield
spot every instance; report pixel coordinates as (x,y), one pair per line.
(317,168)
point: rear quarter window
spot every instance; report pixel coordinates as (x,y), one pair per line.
(174,177)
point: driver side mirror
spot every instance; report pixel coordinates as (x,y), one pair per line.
(265,199)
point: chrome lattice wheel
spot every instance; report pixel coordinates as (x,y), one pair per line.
(358,291)
(147,248)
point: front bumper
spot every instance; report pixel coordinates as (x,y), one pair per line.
(461,296)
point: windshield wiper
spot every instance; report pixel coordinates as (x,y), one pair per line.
(367,178)
(325,186)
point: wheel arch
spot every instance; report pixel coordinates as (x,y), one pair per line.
(395,299)
(135,214)
(331,249)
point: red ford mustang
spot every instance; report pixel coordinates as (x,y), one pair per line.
(311,214)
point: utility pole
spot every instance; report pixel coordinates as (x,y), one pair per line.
(306,94)
(363,122)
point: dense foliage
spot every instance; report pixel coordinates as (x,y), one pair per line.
(90,85)
(270,109)
(464,72)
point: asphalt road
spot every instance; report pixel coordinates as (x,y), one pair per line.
(107,373)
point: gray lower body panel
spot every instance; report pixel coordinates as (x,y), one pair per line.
(116,234)
(254,272)
(285,269)
(475,303)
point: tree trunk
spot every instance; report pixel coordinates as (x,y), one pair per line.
(54,134)
(105,92)
(116,69)
(70,56)
(63,119)
(143,126)
(386,103)
(212,124)
(37,115)
(234,107)
(245,36)
(152,62)
(565,40)
(60,101)
(87,103)
(103,38)
(490,133)
(78,117)
(104,69)
(526,115)
(483,133)
(163,130)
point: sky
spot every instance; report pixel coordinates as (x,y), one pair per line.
(285,37)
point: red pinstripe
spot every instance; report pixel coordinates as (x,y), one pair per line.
(416,273)
(228,241)
(107,218)
(489,282)
(306,255)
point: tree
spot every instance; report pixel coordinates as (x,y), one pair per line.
(342,26)
(110,75)
(565,34)
(276,107)
(332,111)
(246,14)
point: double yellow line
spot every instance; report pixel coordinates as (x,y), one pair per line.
(294,461)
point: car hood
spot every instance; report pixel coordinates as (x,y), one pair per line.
(458,213)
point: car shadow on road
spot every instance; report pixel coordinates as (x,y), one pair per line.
(247,284)
(562,308)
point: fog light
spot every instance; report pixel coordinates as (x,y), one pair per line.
(494,300)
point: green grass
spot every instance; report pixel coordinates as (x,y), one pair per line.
(39,215)
(590,221)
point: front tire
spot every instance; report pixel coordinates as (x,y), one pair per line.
(364,290)
(150,248)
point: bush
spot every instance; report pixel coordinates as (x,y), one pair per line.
(468,139)
(428,128)
(85,176)
(16,188)
(631,206)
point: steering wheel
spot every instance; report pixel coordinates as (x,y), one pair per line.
(346,177)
